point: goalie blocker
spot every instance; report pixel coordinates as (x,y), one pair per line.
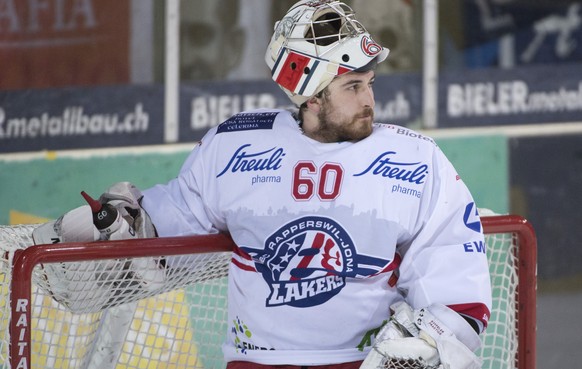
(92,286)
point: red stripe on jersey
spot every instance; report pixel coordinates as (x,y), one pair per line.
(393,264)
(243,266)
(292,70)
(476,311)
(242,260)
(238,251)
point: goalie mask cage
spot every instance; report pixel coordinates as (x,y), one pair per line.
(118,309)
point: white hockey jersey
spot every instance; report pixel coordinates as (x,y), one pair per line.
(329,235)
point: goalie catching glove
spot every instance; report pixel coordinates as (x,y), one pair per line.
(420,339)
(94,285)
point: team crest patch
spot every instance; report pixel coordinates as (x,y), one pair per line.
(247,121)
(306,262)
(369,46)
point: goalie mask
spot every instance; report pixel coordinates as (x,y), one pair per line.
(315,42)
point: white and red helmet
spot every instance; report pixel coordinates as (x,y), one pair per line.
(315,42)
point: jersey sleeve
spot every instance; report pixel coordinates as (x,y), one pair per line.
(445,261)
(178,207)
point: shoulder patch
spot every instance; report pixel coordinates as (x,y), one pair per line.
(406,132)
(247,122)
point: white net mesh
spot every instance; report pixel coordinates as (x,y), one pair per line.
(391,363)
(121,310)
(500,341)
(130,313)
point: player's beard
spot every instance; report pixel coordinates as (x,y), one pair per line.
(338,128)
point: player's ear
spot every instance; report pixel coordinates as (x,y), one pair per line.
(314,103)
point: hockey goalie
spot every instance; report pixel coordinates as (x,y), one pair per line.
(339,222)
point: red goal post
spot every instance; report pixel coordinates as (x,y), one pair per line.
(519,255)
(34,338)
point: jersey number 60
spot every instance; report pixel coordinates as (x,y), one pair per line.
(326,180)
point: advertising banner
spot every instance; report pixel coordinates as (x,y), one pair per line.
(71,118)
(133,115)
(525,95)
(63,43)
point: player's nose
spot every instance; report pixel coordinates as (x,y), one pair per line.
(367,97)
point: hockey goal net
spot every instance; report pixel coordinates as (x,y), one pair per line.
(106,305)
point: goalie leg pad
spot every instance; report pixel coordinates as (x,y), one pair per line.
(398,346)
(402,353)
(91,286)
(82,286)
(454,353)
(420,339)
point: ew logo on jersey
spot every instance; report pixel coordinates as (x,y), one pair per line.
(306,262)
(471,217)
